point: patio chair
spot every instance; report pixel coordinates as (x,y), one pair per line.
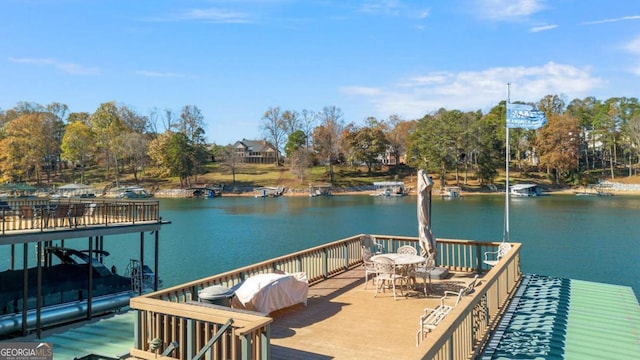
(368,265)
(76,212)
(386,272)
(371,243)
(423,271)
(407,249)
(430,319)
(28,214)
(60,215)
(491,258)
(466,290)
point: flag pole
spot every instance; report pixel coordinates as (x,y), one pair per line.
(506,189)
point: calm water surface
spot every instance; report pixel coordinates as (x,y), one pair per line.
(587,238)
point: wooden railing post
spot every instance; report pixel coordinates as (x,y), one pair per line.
(345,252)
(325,263)
(137,341)
(191,338)
(479,259)
(265,343)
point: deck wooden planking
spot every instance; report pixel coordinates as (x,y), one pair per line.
(342,320)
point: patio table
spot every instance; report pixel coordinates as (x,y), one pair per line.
(403,261)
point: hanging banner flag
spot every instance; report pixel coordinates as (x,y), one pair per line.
(524,117)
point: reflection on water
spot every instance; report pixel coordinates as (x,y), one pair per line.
(588,238)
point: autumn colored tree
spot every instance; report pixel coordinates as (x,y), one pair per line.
(23,148)
(397,135)
(77,143)
(157,153)
(558,144)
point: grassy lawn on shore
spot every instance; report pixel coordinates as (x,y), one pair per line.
(346,179)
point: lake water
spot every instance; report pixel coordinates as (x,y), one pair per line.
(587,238)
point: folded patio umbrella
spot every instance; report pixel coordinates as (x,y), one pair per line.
(425,236)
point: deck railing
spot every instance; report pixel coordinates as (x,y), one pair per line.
(170,315)
(465,331)
(56,214)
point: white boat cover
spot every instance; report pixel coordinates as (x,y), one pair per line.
(270,292)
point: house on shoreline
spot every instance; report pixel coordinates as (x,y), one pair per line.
(256,151)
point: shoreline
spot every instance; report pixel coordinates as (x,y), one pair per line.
(568,191)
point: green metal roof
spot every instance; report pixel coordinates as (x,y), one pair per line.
(111,337)
(603,322)
(568,319)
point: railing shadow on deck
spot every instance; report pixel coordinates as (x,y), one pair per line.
(19,215)
(167,317)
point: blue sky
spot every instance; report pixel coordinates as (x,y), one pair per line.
(235,59)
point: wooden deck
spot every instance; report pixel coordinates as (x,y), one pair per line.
(342,320)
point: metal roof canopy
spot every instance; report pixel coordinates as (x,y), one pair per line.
(570,319)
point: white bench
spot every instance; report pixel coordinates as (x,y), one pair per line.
(431,319)
(492,258)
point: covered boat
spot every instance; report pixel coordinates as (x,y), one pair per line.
(389,188)
(65,284)
(526,190)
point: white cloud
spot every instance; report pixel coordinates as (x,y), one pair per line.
(501,10)
(473,90)
(634,47)
(390,7)
(69,68)
(542,28)
(361,90)
(216,15)
(150,73)
(393,8)
(424,14)
(211,15)
(604,21)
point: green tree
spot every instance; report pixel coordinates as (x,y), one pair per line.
(109,132)
(490,154)
(628,109)
(633,132)
(433,145)
(368,145)
(179,158)
(585,111)
(296,140)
